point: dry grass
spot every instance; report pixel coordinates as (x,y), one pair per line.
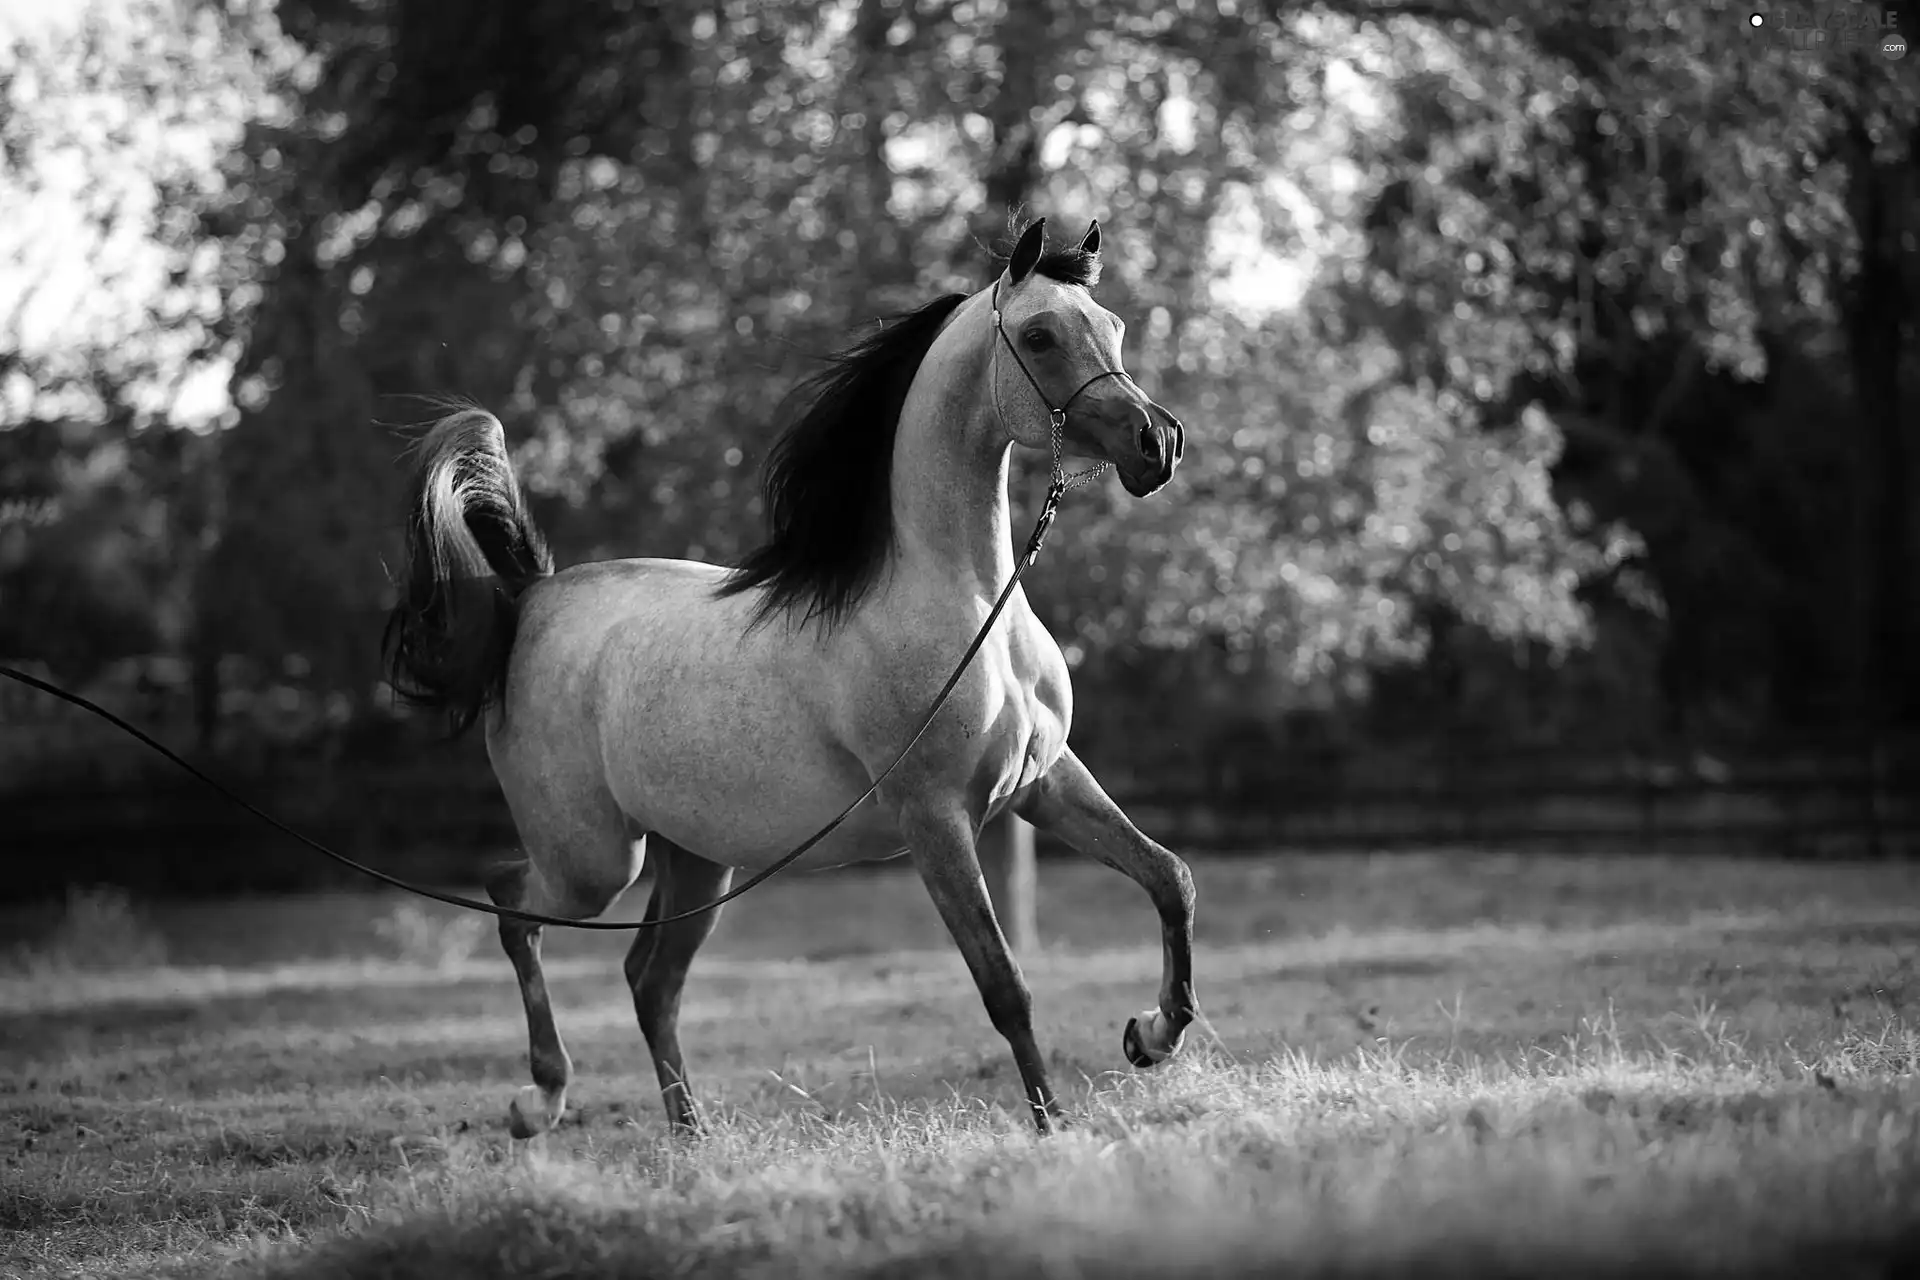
(99,930)
(418,936)
(1475,1066)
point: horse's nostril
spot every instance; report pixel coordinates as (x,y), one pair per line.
(1149,445)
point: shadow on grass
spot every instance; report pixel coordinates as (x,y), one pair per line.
(1453,1204)
(534,1236)
(1437,1260)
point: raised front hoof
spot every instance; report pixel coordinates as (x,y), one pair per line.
(528,1115)
(1146,1043)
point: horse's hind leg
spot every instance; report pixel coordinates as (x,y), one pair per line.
(573,872)
(539,1104)
(658,961)
(1069,803)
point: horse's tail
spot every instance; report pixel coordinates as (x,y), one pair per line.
(471,550)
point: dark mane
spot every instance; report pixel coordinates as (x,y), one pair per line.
(828,484)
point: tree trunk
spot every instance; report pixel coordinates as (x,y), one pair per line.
(861,201)
(205,653)
(1006,859)
(1026,37)
(1876,310)
(1026,40)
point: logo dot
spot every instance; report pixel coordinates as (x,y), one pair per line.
(1756,19)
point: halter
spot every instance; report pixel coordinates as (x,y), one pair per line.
(1056,415)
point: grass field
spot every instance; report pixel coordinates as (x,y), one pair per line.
(1431,1064)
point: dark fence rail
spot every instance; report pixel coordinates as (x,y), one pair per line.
(435,813)
(1834,797)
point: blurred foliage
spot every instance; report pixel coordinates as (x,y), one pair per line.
(1512,337)
(1693,246)
(112,142)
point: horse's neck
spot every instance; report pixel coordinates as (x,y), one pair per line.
(950,467)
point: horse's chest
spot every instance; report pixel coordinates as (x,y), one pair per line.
(1005,724)
(1036,711)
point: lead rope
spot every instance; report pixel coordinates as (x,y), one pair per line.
(1057,489)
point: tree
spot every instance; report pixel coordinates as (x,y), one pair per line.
(1504,299)
(113,338)
(378,244)
(1683,221)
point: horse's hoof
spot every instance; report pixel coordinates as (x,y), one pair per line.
(527,1113)
(1133,1041)
(1130,1044)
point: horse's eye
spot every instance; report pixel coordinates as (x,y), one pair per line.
(1039,340)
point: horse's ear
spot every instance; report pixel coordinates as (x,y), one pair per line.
(1027,252)
(1092,243)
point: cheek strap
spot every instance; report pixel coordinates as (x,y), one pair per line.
(1056,414)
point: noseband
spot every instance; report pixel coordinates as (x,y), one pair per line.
(1057,414)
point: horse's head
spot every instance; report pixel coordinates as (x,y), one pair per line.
(1057,365)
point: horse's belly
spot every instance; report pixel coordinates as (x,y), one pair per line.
(742,779)
(750,822)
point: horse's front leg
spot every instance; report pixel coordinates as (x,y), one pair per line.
(1069,803)
(941,838)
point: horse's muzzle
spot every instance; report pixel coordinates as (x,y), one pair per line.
(1160,441)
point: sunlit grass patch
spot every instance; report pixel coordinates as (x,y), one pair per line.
(1892,1047)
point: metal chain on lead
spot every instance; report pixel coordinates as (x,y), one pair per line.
(1061,480)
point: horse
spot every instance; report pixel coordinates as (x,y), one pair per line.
(712,717)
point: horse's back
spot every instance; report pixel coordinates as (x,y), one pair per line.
(578,606)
